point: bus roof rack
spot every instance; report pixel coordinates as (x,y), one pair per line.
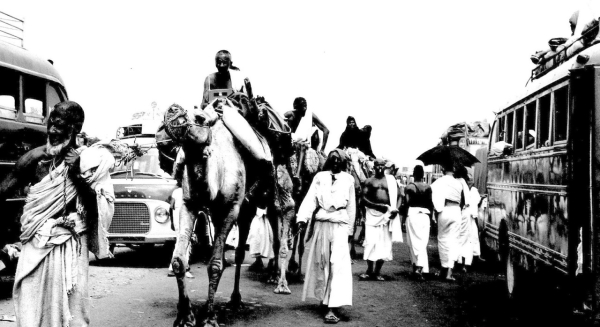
(588,37)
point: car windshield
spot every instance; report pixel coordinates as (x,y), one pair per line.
(146,166)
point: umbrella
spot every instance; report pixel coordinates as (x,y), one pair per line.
(443,154)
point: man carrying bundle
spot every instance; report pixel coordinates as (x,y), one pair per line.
(68,211)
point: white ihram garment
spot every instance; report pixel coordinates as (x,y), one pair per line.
(417,236)
(328,269)
(447,188)
(260,237)
(304,130)
(380,230)
(470,241)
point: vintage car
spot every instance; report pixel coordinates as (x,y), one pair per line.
(143,213)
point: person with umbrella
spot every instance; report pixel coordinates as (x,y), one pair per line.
(448,195)
(447,192)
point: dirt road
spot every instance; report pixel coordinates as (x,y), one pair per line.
(133,290)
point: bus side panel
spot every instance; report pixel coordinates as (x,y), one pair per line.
(527,208)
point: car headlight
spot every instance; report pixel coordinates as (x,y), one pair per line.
(161,215)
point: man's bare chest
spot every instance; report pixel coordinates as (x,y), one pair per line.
(220,83)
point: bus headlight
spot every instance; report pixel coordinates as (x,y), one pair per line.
(161,215)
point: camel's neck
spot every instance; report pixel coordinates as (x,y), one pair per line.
(216,167)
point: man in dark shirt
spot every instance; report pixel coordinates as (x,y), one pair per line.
(420,207)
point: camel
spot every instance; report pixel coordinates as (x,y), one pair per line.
(216,180)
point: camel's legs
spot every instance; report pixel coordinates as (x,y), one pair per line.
(215,266)
(247,213)
(185,316)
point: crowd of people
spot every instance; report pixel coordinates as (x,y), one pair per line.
(332,209)
(72,198)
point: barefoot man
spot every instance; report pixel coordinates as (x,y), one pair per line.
(382,197)
(68,208)
(330,202)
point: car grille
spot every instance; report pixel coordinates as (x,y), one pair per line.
(130,218)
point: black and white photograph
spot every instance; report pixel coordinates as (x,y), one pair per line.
(299,163)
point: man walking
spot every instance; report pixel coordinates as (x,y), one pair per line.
(331,199)
(382,198)
(420,209)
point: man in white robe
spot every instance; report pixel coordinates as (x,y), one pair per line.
(469,237)
(331,200)
(446,196)
(381,197)
(68,210)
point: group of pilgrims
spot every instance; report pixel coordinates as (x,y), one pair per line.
(332,209)
(71,202)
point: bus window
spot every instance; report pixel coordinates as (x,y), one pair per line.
(509,128)
(519,127)
(530,128)
(561,106)
(9,93)
(34,92)
(544,135)
(502,129)
(52,96)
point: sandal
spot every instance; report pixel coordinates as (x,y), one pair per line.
(331,319)
(364,277)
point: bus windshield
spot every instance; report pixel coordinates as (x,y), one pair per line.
(146,166)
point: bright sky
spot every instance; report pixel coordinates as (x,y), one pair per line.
(408,69)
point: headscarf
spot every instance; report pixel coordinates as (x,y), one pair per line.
(343,156)
(351,137)
(226,54)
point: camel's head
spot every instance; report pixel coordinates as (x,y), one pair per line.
(189,127)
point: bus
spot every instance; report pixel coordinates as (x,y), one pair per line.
(543,192)
(143,191)
(30,86)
